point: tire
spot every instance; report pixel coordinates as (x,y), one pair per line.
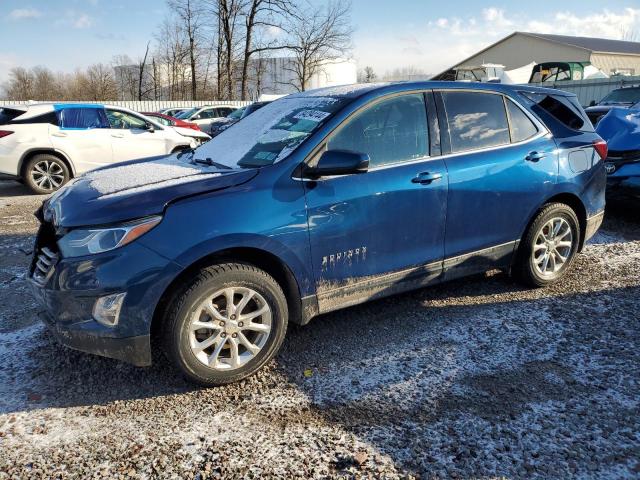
(45,173)
(203,302)
(540,237)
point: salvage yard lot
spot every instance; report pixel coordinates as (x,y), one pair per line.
(479,377)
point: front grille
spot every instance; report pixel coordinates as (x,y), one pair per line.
(44,264)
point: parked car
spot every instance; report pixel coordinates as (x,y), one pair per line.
(45,145)
(626,97)
(316,202)
(620,127)
(221,125)
(203,116)
(170,121)
(172,112)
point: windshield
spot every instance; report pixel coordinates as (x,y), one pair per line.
(187,113)
(237,113)
(270,134)
(622,95)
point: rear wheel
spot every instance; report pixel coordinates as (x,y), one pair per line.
(227,323)
(549,246)
(45,173)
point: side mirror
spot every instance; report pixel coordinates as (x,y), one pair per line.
(338,162)
(149,127)
(197,117)
(592,103)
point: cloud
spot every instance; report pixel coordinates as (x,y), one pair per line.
(75,19)
(82,21)
(24,13)
(438,43)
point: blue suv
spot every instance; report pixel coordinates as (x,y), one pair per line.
(318,201)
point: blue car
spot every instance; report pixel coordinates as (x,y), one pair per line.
(620,127)
(318,201)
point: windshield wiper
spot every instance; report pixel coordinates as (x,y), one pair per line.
(211,163)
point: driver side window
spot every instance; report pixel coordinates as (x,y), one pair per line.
(390,131)
(124,121)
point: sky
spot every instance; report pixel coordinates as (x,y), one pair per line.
(428,35)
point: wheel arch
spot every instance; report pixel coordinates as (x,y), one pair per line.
(46,151)
(571,200)
(267,261)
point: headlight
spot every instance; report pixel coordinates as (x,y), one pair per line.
(81,242)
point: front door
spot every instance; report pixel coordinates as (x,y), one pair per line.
(131,139)
(379,232)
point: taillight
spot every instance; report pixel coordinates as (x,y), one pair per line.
(601,148)
(4,133)
(195,126)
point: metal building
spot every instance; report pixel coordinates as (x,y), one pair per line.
(521,48)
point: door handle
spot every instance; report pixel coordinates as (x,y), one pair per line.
(59,134)
(534,156)
(425,178)
(117,135)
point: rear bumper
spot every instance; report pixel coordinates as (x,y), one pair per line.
(593,224)
(134,350)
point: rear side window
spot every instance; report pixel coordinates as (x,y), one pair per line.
(522,128)
(82,118)
(565,109)
(391,131)
(476,120)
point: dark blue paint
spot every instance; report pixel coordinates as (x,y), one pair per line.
(325,232)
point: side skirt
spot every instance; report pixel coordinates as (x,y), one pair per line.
(351,292)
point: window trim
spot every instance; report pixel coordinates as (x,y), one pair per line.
(542,129)
(156,125)
(314,155)
(506,99)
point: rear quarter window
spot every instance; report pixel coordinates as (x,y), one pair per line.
(8,114)
(565,109)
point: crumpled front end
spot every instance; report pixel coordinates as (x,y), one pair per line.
(621,130)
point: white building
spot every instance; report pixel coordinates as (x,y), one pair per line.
(275,76)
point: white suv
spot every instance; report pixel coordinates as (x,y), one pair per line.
(44,145)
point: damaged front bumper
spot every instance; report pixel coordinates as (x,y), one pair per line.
(70,289)
(81,336)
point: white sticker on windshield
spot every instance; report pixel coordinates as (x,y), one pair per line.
(312,115)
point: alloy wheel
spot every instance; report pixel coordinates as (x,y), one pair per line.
(229,328)
(47,175)
(553,246)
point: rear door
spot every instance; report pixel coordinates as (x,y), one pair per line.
(501,164)
(131,138)
(83,135)
(375,233)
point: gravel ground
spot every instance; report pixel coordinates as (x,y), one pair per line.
(476,378)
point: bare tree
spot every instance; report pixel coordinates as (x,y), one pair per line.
(20,85)
(261,14)
(320,35)
(100,83)
(45,84)
(367,75)
(190,14)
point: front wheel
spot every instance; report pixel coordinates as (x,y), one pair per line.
(226,324)
(549,246)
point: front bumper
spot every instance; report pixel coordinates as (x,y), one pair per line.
(68,294)
(134,350)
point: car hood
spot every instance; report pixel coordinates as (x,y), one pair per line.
(621,129)
(135,189)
